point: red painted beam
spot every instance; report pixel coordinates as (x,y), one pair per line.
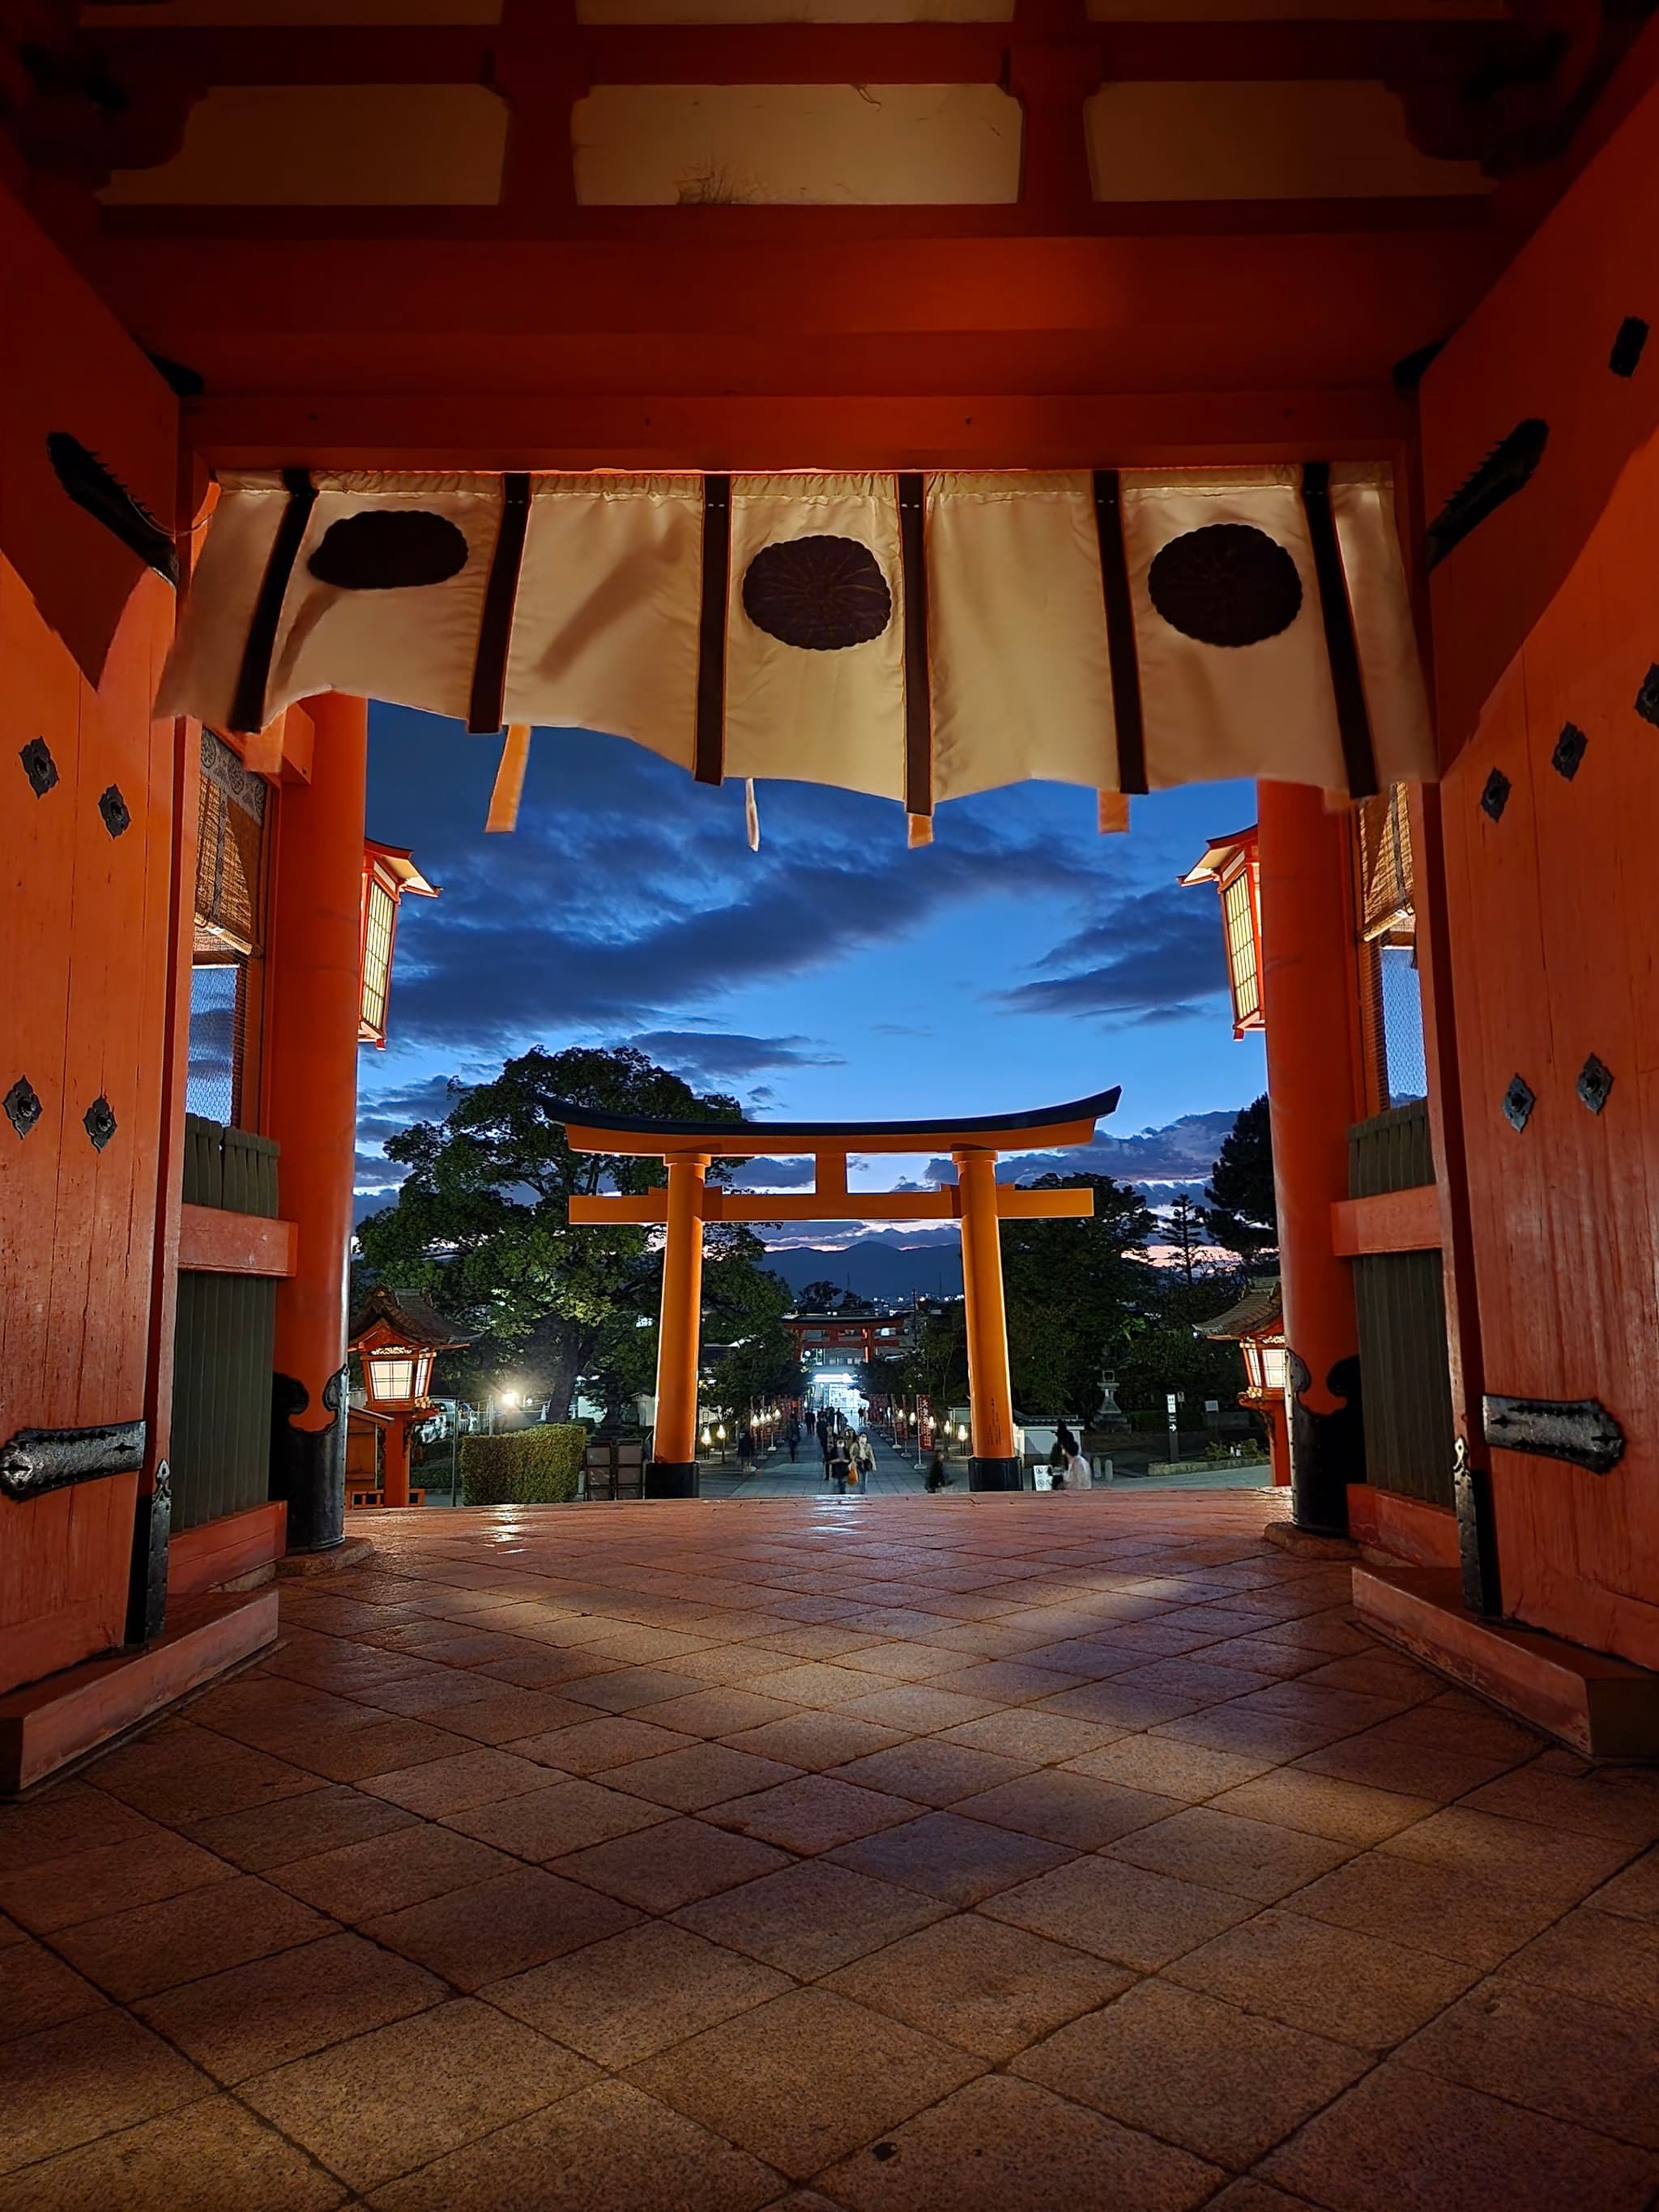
(1394,1221)
(212,1241)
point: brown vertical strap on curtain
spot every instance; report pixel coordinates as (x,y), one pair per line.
(247,706)
(496,625)
(709,761)
(1121,632)
(1353,719)
(918,679)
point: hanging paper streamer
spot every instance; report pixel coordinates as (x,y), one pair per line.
(751,814)
(509,778)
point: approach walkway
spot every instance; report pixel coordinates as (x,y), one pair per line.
(895,1854)
(775,1476)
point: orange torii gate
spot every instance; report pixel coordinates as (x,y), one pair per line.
(978,1200)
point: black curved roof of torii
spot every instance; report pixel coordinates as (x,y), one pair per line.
(764,1137)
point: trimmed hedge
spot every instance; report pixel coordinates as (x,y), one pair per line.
(527,1466)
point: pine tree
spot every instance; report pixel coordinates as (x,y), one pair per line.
(1241,1212)
(1188,1234)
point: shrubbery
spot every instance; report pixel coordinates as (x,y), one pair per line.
(527,1466)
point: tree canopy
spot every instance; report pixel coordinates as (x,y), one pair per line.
(482,1225)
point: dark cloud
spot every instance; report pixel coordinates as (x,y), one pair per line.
(635,895)
(1151,956)
(713,1054)
(1181,1154)
(383,1113)
(774,1174)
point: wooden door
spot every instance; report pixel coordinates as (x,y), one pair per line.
(87,868)
(1552,884)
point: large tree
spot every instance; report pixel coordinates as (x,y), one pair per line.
(1077,1294)
(482,1224)
(1242,1211)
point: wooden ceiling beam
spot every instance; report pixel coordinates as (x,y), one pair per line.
(437,430)
(1207,293)
(799,54)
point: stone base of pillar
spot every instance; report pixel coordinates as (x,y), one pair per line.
(995,1475)
(669,1478)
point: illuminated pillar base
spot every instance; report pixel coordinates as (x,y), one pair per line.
(671,1477)
(994,1474)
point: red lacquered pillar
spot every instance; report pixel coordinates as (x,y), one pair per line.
(314,982)
(1308,1003)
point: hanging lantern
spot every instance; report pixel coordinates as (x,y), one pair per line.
(1256,1325)
(388,873)
(1233,865)
(398,1336)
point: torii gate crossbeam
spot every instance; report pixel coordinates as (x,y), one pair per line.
(978,1200)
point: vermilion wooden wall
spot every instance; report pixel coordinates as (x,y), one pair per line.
(1554,912)
(84,939)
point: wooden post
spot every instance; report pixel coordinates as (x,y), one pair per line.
(1307,998)
(394,1466)
(991,1464)
(315,983)
(673,1471)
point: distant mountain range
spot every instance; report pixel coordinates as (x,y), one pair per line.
(879,1267)
(1162,1165)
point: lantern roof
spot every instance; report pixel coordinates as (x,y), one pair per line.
(399,861)
(1219,855)
(1260,1312)
(410,1317)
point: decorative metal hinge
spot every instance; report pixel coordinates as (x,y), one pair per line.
(1647,699)
(1595,1083)
(1569,749)
(1496,795)
(1628,346)
(34,1461)
(1518,1102)
(39,766)
(113,808)
(98,1122)
(1579,1429)
(107,499)
(22,1106)
(1505,469)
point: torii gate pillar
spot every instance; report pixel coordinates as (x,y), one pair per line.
(672,1471)
(991,1464)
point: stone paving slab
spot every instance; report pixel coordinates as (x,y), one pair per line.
(831,1853)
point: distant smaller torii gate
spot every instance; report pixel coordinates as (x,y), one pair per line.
(978,1200)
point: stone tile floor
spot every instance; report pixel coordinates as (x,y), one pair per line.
(1026,1852)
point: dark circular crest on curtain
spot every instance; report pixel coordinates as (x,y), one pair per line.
(1227,584)
(389,549)
(819,594)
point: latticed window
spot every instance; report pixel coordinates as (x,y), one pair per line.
(1386,926)
(1383,827)
(1244,968)
(378,919)
(229,935)
(229,855)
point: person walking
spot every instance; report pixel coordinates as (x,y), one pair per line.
(840,1468)
(863,1453)
(791,1438)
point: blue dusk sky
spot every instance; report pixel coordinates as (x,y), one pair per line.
(1020,959)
